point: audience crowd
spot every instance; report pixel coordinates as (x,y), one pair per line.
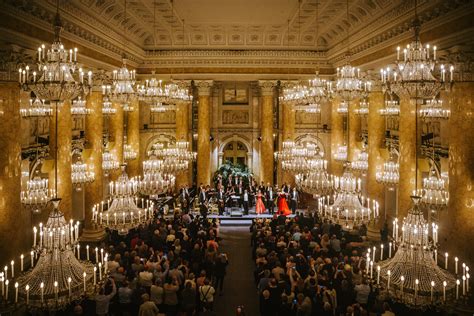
(306,267)
(170,266)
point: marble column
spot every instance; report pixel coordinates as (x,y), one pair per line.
(376,135)
(133,139)
(116,138)
(354,130)
(64,158)
(94,125)
(457,222)
(204,132)
(15,221)
(182,132)
(288,133)
(337,136)
(407,143)
(266,131)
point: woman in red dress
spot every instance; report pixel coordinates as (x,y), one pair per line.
(283,208)
(259,205)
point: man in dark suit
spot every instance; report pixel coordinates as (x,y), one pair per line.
(240,193)
(202,194)
(245,202)
(220,200)
(293,200)
(184,198)
(269,197)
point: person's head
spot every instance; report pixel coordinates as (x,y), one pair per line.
(206,281)
(300,298)
(266,294)
(78,310)
(145,297)
(188,284)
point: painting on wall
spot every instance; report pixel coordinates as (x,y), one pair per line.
(231,117)
(235,96)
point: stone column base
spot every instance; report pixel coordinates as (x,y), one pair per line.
(92,235)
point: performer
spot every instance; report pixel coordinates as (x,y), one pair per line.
(294,200)
(282,205)
(220,199)
(240,192)
(202,194)
(261,187)
(246,202)
(184,198)
(269,197)
(259,206)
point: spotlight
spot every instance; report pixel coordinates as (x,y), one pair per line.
(259,138)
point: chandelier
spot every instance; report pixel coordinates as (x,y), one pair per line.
(315,182)
(109,162)
(36,108)
(343,107)
(341,153)
(414,74)
(153,91)
(362,161)
(294,93)
(303,159)
(78,107)
(107,107)
(434,193)
(348,207)
(81,175)
(363,109)
(37,194)
(155,183)
(178,94)
(129,153)
(56,277)
(349,84)
(158,107)
(57,78)
(392,108)
(432,110)
(121,212)
(390,175)
(123,82)
(412,276)
(172,159)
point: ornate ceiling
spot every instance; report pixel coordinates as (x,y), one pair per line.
(152,29)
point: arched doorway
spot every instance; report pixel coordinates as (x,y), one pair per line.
(235,152)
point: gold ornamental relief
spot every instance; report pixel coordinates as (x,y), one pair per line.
(304,118)
(168,117)
(232,117)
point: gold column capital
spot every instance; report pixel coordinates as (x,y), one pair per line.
(204,87)
(267,87)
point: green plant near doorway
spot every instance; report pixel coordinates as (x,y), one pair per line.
(235,170)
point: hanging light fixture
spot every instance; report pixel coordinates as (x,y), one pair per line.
(107,107)
(390,173)
(349,83)
(363,109)
(361,164)
(37,194)
(414,75)
(36,108)
(392,108)
(341,153)
(311,175)
(348,207)
(78,107)
(57,78)
(129,153)
(81,175)
(121,212)
(432,110)
(123,79)
(109,162)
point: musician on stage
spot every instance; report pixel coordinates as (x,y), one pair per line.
(294,200)
(240,192)
(221,200)
(184,198)
(270,198)
(245,198)
(261,187)
(203,194)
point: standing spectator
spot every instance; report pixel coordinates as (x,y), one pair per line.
(102,300)
(220,271)
(170,301)
(188,299)
(148,308)
(156,294)
(362,293)
(125,298)
(206,295)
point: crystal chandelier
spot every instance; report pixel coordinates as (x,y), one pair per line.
(153,91)
(109,162)
(57,277)
(362,161)
(414,75)
(58,78)
(129,153)
(341,153)
(348,207)
(390,175)
(36,108)
(343,107)
(363,109)
(37,194)
(303,159)
(81,175)
(121,212)
(78,107)
(432,110)
(179,94)
(349,84)
(107,107)
(155,183)
(315,182)
(123,82)
(412,276)
(434,193)
(392,108)
(158,107)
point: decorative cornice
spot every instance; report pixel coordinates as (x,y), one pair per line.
(267,87)
(204,87)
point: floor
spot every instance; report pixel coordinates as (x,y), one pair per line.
(239,287)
